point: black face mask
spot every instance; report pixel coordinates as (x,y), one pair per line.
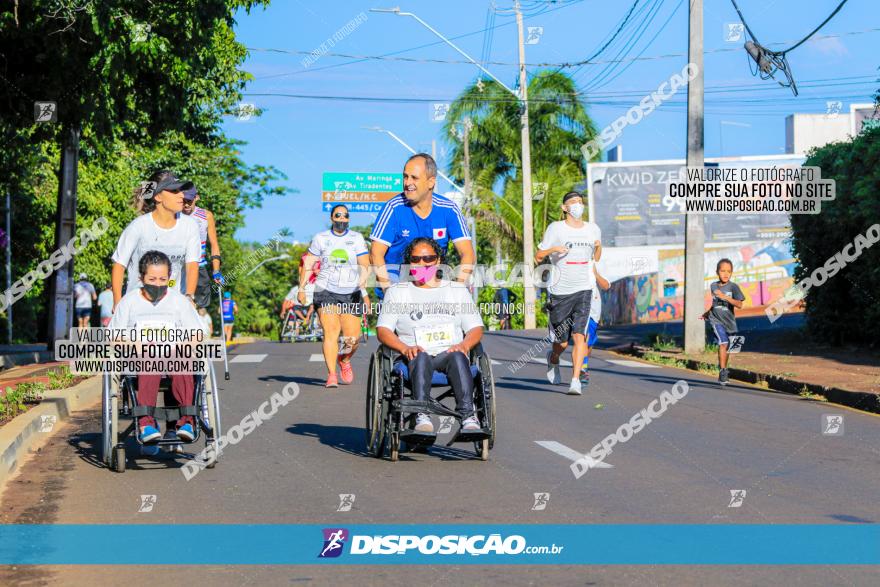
(155,292)
(339,226)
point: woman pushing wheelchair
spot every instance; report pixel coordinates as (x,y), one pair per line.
(433,324)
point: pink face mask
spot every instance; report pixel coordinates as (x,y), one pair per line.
(423,274)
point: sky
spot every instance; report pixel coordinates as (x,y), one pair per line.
(311,130)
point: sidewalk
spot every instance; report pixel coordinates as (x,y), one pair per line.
(780,350)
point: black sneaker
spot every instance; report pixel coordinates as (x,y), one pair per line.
(722,376)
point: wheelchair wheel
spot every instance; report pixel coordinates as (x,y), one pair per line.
(375,412)
(395,447)
(107,441)
(212,402)
(482,449)
(487,397)
(119,459)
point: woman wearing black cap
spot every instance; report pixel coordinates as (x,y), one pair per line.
(573,247)
(160,228)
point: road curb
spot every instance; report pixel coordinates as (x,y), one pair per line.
(23,434)
(859,400)
(18,359)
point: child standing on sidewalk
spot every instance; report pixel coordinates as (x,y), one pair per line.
(726,296)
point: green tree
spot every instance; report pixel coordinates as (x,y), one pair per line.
(559,126)
(838,310)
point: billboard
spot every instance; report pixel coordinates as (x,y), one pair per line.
(627,201)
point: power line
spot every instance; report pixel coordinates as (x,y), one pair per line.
(561,65)
(611,39)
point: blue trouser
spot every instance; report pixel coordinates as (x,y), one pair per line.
(457,369)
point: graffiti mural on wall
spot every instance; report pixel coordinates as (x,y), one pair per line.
(636,299)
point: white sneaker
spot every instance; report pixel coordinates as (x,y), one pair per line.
(553,375)
(575,387)
(470,424)
(423,423)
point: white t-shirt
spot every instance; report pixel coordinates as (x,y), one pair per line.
(432,318)
(572,272)
(83,292)
(181,244)
(173,311)
(105,302)
(339,267)
(596,306)
(294,291)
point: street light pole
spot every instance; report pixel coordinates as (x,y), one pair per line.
(522,96)
(695,238)
(413,151)
(528,226)
(261,263)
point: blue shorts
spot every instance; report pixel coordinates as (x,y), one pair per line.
(592,332)
(83,312)
(720,334)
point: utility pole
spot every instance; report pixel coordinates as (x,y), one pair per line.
(528,226)
(522,96)
(8,265)
(61,286)
(695,238)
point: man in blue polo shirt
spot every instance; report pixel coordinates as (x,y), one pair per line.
(416,212)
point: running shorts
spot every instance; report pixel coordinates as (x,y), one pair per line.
(592,333)
(569,314)
(350,303)
(203,288)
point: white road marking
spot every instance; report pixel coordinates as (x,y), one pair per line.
(247,358)
(628,363)
(316,358)
(571,454)
(562,362)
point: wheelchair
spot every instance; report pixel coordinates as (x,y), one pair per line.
(389,406)
(294,329)
(119,402)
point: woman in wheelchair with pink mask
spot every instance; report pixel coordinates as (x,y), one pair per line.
(433,323)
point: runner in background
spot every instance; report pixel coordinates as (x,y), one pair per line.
(229,309)
(593,328)
(572,246)
(161,228)
(207,231)
(84,296)
(418,212)
(726,295)
(505,300)
(105,305)
(340,294)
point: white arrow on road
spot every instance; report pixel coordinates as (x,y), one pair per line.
(572,454)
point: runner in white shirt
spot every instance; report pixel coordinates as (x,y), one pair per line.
(155,305)
(593,328)
(105,303)
(340,294)
(160,228)
(434,325)
(573,247)
(84,295)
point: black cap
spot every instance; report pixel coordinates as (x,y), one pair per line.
(571,195)
(169,183)
(190,193)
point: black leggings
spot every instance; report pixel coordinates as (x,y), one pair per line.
(457,368)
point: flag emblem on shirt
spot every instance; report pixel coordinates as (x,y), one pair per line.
(439,233)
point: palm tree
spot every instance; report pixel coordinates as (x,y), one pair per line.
(559,126)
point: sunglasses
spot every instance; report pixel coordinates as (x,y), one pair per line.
(340,216)
(425,258)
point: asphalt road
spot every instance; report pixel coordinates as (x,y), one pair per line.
(293,468)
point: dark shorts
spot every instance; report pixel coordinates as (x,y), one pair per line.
(350,303)
(302,309)
(83,312)
(569,314)
(203,288)
(721,334)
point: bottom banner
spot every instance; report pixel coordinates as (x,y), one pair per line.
(621,544)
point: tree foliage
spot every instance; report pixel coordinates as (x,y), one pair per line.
(838,310)
(559,125)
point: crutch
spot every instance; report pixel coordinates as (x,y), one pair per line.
(223,332)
